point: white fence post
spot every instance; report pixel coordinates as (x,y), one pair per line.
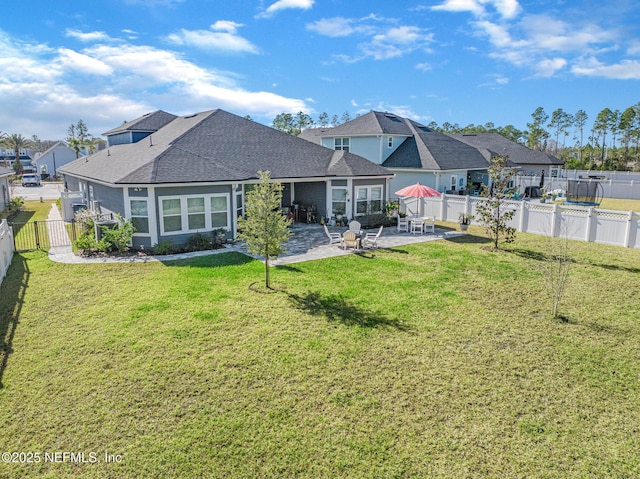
(524,213)
(6,248)
(589,224)
(627,239)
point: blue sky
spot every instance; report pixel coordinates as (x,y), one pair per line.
(456,61)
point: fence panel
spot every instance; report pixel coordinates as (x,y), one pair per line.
(574,222)
(43,234)
(6,248)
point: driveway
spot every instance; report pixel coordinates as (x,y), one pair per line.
(47,191)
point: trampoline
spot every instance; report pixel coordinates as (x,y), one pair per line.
(584,192)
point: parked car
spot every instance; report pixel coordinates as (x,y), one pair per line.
(30,179)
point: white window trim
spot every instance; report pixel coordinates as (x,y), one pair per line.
(131,215)
(342,146)
(184,213)
(390,142)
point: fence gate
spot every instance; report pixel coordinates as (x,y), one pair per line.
(43,234)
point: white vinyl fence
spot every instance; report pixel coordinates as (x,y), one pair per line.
(6,248)
(618,228)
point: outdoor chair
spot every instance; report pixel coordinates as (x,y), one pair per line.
(417,226)
(350,240)
(355,226)
(403,224)
(429,224)
(333,237)
(370,240)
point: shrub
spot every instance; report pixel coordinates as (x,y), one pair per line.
(165,247)
(120,236)
(198,242)
(87,244)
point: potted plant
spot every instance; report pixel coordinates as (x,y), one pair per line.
(465,220)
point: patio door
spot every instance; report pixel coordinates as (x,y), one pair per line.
(338,201)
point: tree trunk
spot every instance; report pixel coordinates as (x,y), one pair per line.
(267,280)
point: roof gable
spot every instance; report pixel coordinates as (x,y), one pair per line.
(148,122)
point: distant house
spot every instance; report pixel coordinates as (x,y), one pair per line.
(8,157)
(5,195)
(176,176)
(58,155)
(529,162)
(409,149)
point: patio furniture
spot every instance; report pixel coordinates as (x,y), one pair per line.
(370,240)
(333,237)
(403,224)
(429,224)
(355,226)
(350,240)
(417,225)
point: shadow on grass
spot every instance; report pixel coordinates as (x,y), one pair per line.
(12,291)
(213,260)
(616,267)
(468,239)
(336,308)
(286,267)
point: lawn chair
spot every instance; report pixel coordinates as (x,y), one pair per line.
(417,226)
(350,240)
(370,240)
(403,224)
(334,238)
(355,226)
(429,224)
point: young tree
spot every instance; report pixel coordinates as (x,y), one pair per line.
(492,211)
(265,229)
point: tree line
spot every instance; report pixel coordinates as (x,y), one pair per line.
(610,142)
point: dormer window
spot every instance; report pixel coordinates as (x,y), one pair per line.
(341,144)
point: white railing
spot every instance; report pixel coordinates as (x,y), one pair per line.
(6,248)
(618,228)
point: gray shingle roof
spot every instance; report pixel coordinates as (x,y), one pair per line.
(218,146)
(149,122)
(372,123)
(497,144)
(430,150)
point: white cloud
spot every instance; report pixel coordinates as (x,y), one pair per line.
(379,41)
(332,27)
(548,67)
(624,70)
(460,6)
(87,36)
(284,5)
(425,67)
(221,41)
(105,84)
(82,63)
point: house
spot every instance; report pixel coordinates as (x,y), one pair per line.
(5,193)
(178,175)
(409,149)
(529,162)
(58,155)
(8,157)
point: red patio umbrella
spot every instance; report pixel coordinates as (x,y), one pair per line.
(418,191)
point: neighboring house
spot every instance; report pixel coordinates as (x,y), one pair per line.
(5,193)
(8,156)
(409,149)
(58,155)
(529,162)
(191,174)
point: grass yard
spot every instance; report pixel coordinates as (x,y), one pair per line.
(620,204)
(432,360)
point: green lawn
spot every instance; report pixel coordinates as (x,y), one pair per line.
(432,360)
(620,204)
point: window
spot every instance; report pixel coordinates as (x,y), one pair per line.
(171,215)
(185,214)
(196,213)
(369,200)
(390,142)
(239,205)
(341,144)
(218,211)
(339,201)
(140,215)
